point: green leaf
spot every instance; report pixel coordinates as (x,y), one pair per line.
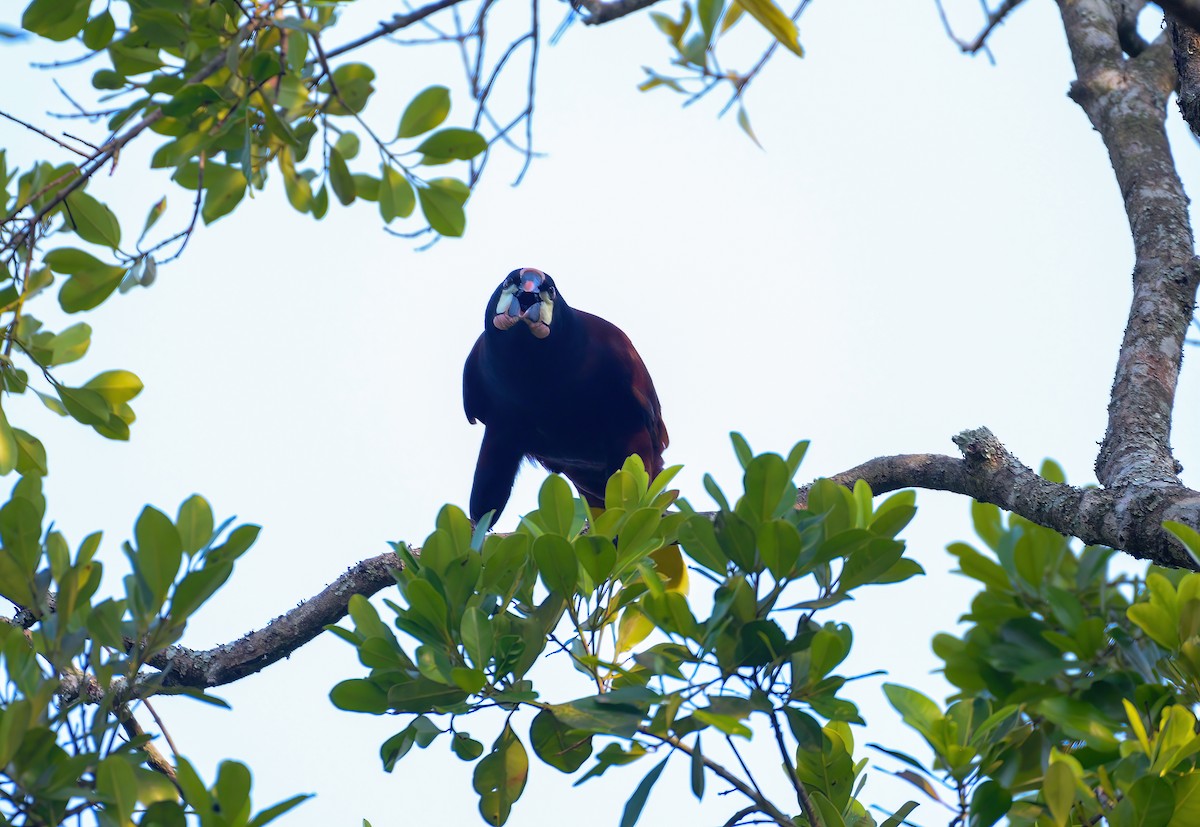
(596,555)
(1058,788)
(233,787)
(918,711)
(500,777)
(353,81)
(1186,535)
(465,747)
(775,21)
(477,636)
(557,564)
(117,783)
(31,454)
(347,144)
(99,31)
(69,261)
(990,803)
(396,197)
(159,551)
(359,695)
(697,770)
(85,406)
(1187,801)
(897,819)
(453,143)
(1153,802)
(9,449)
(600,714)
(224,188)
(88,289)
(276,810)
(556,505)
(831,816)
(442,203)
(115,386)
(426,111)
(55,19)
(195,522)
(633,807)
(769,492)
(743,121)
(93,221)
(709,13)
(340,178)
(557,744)
(107,79)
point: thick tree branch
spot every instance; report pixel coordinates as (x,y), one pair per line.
(279,638)
(1127,517)
(1125,100)
(1186,10)
(1185,44)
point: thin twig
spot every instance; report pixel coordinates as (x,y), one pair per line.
(802,797)
(761,803)
(44,134)
(400,21)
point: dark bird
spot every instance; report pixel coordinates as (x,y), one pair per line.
(557,385)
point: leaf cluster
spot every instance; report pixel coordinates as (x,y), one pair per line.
(1077,690)
(74,669)
(665,663)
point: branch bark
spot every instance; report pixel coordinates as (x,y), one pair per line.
(1127,517)
(1185,44)
(599,12)
(1125,100)
(1186,10)
(285,634)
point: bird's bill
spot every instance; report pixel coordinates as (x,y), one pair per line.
(527,296)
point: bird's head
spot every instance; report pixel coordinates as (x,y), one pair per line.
(526,295)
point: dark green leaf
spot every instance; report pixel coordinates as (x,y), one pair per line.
(633,807)
(358,695)
(500,777)
(989,804)
(558,745)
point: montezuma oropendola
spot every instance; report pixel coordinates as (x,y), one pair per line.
(557,385)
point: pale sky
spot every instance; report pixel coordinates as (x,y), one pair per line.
(927,243)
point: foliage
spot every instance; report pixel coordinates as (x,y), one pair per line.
(69,742)
(667,667)
(1077,690)
(235,98)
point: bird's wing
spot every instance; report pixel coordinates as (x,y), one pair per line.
(620,349)
(475,396)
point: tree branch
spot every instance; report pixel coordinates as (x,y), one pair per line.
(1185,44)
(1186,10)
(1128,517)
(763,805)
(1125,100)
(599,12)
(285,634)
(400,21)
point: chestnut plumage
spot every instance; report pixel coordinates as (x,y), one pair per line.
(559,386)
